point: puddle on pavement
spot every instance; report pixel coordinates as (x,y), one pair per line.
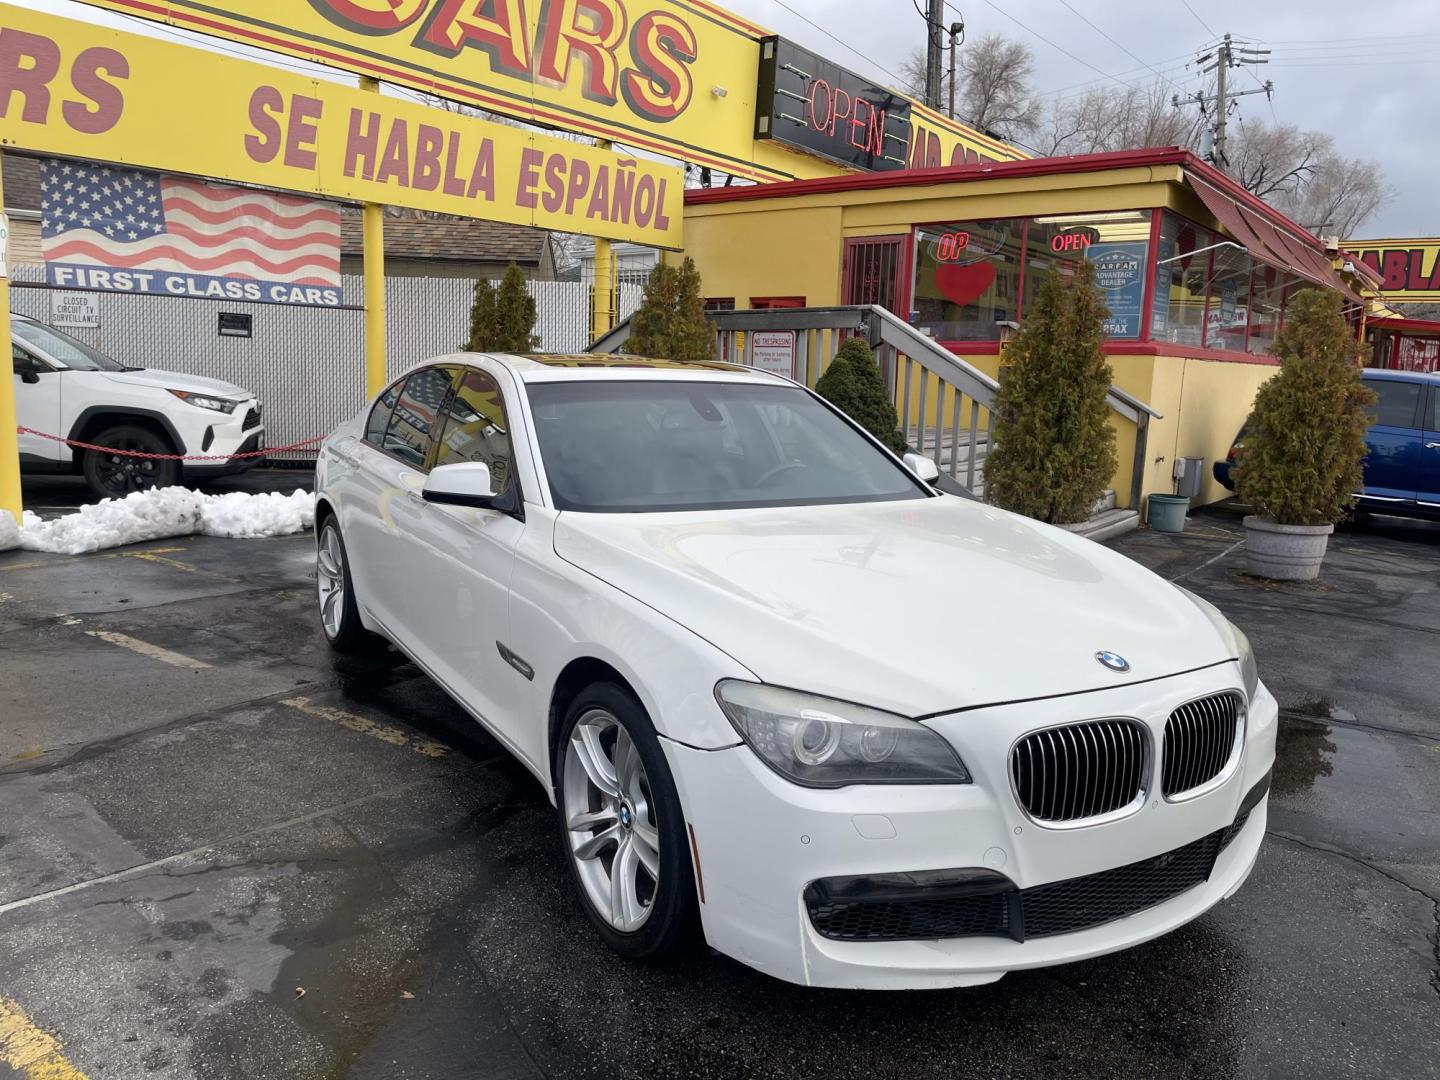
(1303,749)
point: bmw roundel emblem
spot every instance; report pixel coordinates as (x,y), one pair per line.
(1114,661)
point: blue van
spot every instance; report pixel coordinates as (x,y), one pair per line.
(1402,469)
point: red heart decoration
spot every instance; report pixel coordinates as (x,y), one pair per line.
(964,284)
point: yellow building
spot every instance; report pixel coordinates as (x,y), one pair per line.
(1197,274)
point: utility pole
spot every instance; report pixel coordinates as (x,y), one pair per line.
(934,31)
(1226,56)
(957,35)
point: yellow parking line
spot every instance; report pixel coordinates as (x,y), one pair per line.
(384,732)
(104,555)
(34,1054)
(144,648)
(176,564)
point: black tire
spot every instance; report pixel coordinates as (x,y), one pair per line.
(345,633)
(672,926)
(113,476)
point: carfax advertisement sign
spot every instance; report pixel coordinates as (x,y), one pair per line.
(1120,271)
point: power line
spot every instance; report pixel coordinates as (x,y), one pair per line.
(899,82)
(1042,37)
(1201,21)
(1168,61)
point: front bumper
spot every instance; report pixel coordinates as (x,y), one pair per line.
(241,432)
(762,841)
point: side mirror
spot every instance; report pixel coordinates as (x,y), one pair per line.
(466,483)
(923,467)
(29,376)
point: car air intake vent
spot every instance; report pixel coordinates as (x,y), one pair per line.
(1080,770)
(1200,739)
(252,419)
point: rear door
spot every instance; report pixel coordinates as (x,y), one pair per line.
(1429,477)
(1392,463)
(386,510)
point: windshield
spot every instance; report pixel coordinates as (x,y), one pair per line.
(629,446)
(61,347)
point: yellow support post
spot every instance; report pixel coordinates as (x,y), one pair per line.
(372,223)
(10,498)
(602,293)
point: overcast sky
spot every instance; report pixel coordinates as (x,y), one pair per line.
(1359,72)
(1333,70)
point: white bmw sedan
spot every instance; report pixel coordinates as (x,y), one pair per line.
(785,695)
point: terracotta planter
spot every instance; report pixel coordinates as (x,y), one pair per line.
(1284,552)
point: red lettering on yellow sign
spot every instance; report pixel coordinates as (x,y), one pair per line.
(30,73)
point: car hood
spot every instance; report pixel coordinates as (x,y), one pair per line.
(919,607)
(174,380)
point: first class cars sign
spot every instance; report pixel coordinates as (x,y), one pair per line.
(676,77)
(93,94)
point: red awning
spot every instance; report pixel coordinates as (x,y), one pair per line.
(1267,243)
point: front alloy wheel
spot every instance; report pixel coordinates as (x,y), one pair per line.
(614,837)
(623,826)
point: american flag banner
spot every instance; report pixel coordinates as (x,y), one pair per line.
(125,231)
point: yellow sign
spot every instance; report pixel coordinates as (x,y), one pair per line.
(676,77)
(936,140)
(74,90)
(1409,269)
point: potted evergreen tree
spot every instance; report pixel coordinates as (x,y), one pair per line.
(1054,449)
(854,384)
(1305,444)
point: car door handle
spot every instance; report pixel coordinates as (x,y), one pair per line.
(1432,446)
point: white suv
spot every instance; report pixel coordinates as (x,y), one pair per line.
(64,387)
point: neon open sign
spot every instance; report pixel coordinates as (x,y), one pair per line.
(1071,241)
(951,246)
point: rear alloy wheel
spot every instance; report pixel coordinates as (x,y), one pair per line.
(621,819)
(113,476)
(339,617)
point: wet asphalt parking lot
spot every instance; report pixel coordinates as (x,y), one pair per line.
(224,854)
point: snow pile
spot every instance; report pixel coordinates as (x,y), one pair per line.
(9,531)
(161,513)
(270,514)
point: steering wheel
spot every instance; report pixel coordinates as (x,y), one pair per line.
(775,470)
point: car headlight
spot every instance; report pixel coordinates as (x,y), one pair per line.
(1249,673)
(820,742)
(216,404)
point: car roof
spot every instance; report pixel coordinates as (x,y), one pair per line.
(1396,375)
(560,367)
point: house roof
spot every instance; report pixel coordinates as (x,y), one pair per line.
(22,183)
(451,238)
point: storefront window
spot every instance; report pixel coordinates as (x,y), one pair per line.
(1116,244)
(1229,306)
(1182,272)
(967,282)
(1267,300)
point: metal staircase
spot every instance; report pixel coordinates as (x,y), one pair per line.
(946,402)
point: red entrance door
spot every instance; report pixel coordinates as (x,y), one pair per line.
(877,271)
